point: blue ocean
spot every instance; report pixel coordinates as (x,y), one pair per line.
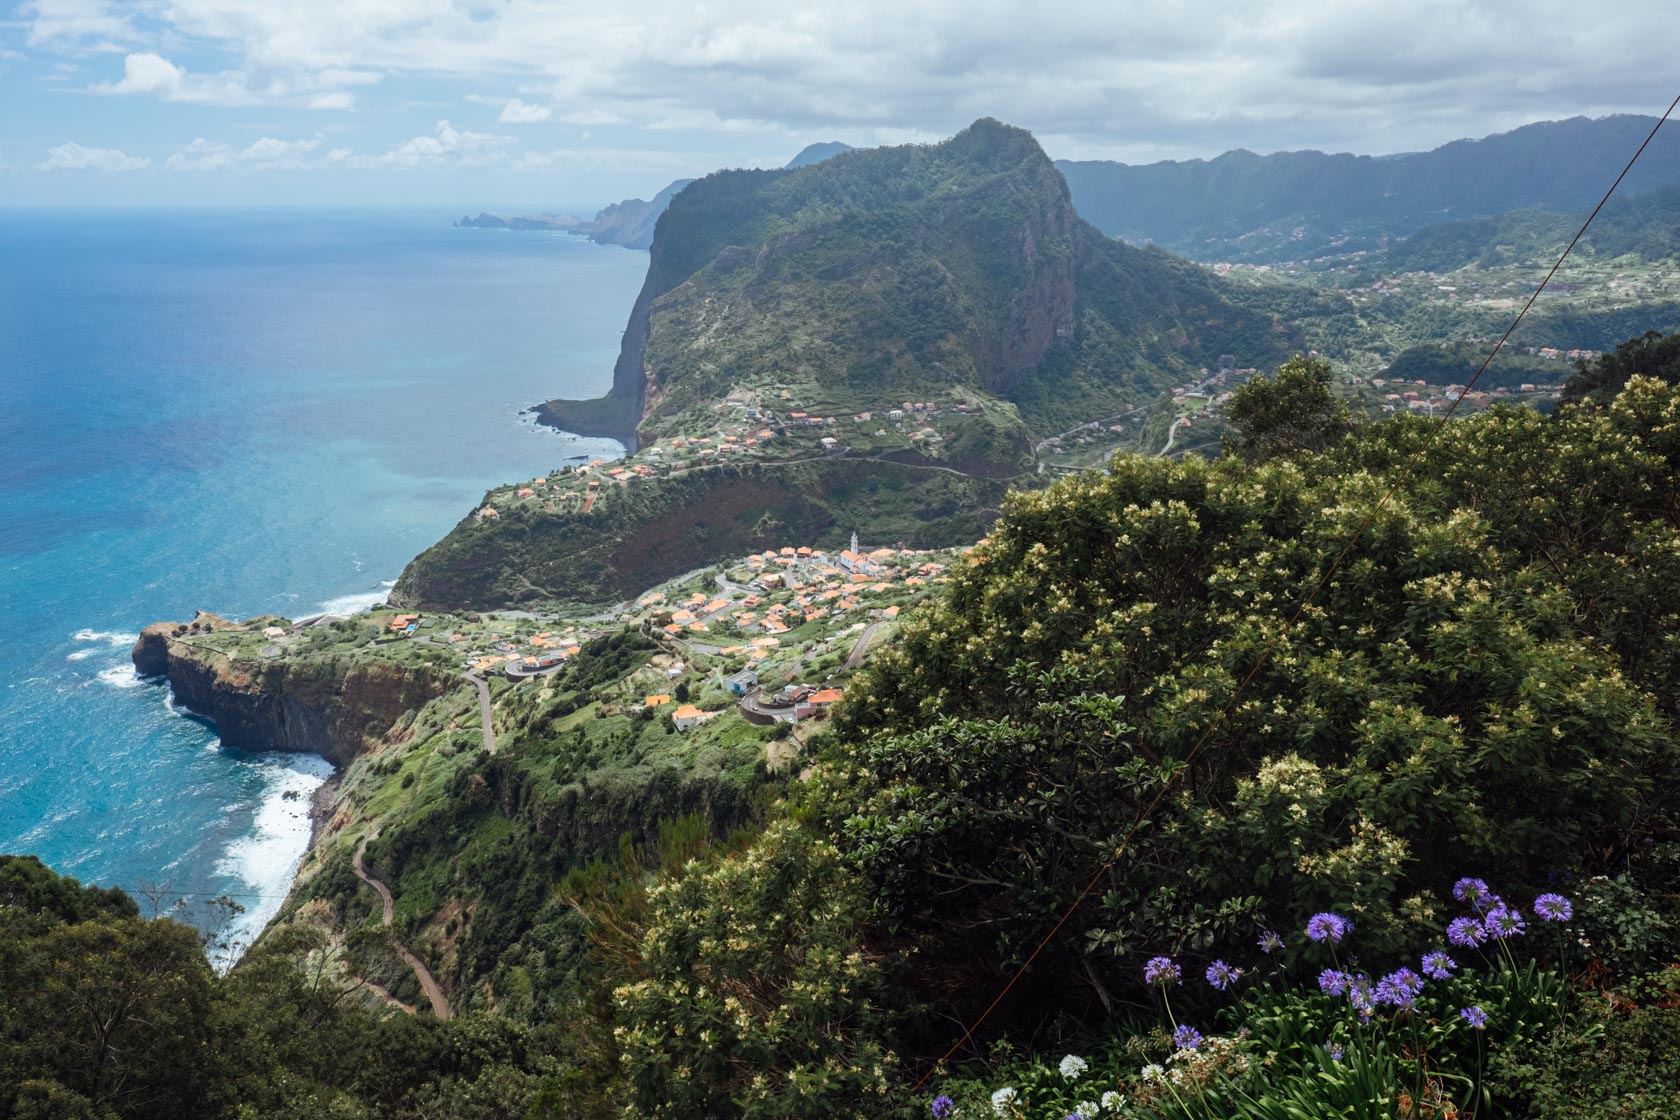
(246,412)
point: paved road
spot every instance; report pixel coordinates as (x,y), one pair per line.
(1172,433)
(428,982)
(861,649)
(484,711)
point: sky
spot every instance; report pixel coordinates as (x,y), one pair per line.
(557,105)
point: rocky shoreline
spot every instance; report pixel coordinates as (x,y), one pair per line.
(335,708)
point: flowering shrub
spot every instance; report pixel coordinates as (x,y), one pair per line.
(1408,1043)
(756,1003)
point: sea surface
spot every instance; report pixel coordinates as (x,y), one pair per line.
(246,412)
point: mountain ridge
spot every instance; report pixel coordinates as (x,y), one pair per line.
(1240,205)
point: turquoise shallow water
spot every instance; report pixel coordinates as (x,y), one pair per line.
(245,412)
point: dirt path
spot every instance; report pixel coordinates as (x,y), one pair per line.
(428,982)
(484,711)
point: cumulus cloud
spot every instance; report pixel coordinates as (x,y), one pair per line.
(74,157)
(447,144)
(147,73)
(267,154)
(518,112)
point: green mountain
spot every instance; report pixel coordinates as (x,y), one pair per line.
(816,153)
(1297,205)
(955,275)
(1646,226)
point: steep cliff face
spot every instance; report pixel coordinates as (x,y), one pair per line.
(333,708)
(898,271)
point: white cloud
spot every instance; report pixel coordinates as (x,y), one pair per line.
(74,157)
(1131,76)
(147,73)
(447,145)
(201,155)
(267,154)
(519,112)
(76,21)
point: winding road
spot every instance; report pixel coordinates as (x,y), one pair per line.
(428,982)
(1172,433)
(484,710)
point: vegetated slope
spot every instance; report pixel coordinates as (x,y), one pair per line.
(1294,205)
(903,269)
(1646,226)
(1484,687)
(663,527)
(630,223)
(908,273)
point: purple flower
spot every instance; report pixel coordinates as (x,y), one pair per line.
(1437,965)
(1327,927)
(1162,971)
(943,1106)
(1222,975)
(1187,1037)
(1553,908)
(1503,921)
(1471,890)
(1466,933)
(1270,942)
(1336,1052)
(1333,983)
(1399,988)
(1359,996)
(1475,1016)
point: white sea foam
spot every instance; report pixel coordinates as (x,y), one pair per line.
(109,637)
(355,604)
(80,655)
(121,676)
(266,859)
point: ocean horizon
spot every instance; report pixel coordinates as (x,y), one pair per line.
(246,411)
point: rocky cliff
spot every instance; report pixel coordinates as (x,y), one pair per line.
(336,708)
(899,271)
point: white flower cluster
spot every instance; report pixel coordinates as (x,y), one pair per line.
(1003,1102)
(1073,1067)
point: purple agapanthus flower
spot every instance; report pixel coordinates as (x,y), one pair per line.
(1359,997)
(1333,982)
(1475,1016)
(1336,1052)
(1504,921)
(1327,927)
(1437,965)
(1270,942)
(1399,988)
(943,1106)
(1553,908)
(1471,890)
(1187,1037)
(1222,975)
(1162,971)
(1466,933)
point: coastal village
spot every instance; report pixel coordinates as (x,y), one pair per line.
(727,654)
